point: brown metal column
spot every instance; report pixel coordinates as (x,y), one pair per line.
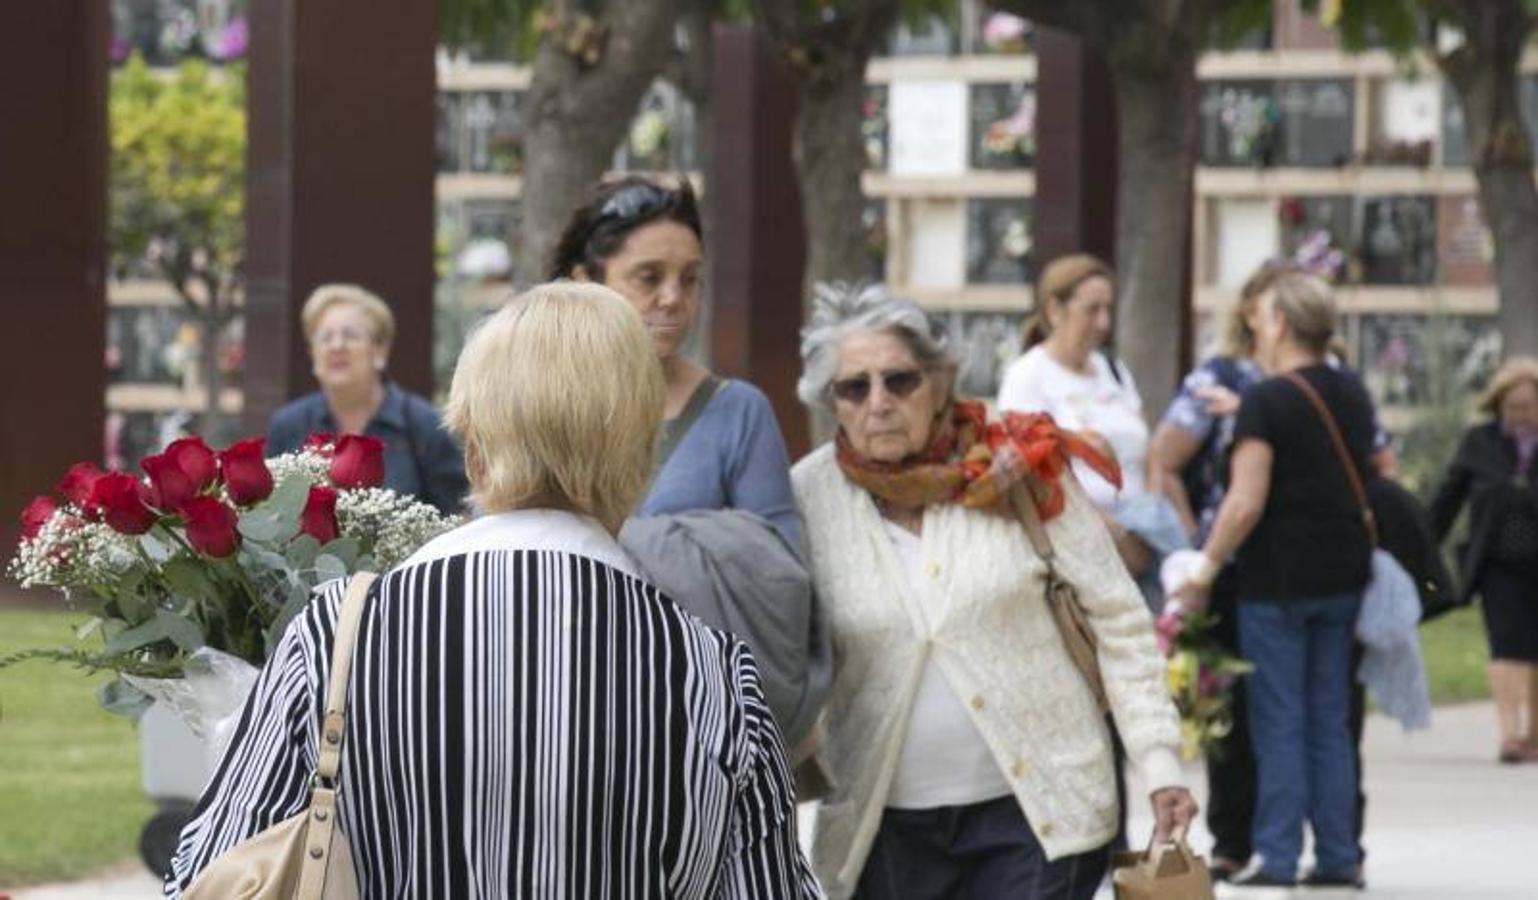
(757,257)
(340,179)
(1075,205)
(53,247)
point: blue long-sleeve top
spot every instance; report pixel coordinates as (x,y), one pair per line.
(733,457)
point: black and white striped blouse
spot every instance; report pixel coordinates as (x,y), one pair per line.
(526,718)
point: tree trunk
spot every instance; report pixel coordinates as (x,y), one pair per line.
(828,53)
(577,115)
(1157,157)
(1483,73)
(830,160)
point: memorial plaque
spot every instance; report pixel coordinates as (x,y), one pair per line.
(1302,122)
(928,127)
(873,127)
(998,241)
(1003,125)
(492,129)
(1465,247)
(1396,240)
(1418,359)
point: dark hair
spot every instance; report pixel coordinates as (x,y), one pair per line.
(599,227)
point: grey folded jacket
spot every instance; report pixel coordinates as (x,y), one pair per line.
(735,572)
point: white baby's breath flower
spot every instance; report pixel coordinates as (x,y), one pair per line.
(395,525)
(308,464)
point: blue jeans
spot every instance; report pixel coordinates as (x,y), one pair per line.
(1300,699)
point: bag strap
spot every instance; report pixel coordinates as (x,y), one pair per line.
(1035,529)
(315,864)
(1369,521)
(673,432)
(334,725)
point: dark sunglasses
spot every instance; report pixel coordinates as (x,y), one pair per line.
(638,201)
(899,383)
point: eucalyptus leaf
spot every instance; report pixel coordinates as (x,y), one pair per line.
(301,552)
(189,578)
(287,500)
(164,626)
(265,527)
(345,549)
(328,567)
(119,697)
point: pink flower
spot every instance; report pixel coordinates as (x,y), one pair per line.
(1167,628)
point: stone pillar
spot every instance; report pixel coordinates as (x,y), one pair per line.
(1074,210)
(757,256)
(53,246)
(340,180)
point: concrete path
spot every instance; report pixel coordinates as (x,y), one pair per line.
(1444,822)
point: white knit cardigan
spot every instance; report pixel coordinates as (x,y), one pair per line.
(992,637)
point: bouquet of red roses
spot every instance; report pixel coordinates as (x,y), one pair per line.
(210,550)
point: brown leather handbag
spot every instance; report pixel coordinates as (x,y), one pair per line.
(303,857)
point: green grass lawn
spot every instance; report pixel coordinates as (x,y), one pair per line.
(70,800)
(1455,655)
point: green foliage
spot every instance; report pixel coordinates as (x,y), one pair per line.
(178,168)
(1395,24)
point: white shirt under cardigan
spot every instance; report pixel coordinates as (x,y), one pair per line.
(989,632)
(944,760)
(1104,402)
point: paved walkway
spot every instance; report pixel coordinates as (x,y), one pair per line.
(1444,822)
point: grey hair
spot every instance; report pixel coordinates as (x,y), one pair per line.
(840,309)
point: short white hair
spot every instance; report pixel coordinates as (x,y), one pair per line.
(840,309)
(558,397)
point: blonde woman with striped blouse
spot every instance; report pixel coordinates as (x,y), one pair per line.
(527,716)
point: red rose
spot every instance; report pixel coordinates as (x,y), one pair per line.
(320,442)
(245,472)
(358,462)
(196,460)
(77,483)
(120,501)
(211,526)
(36,515)
(170,486)
(319,517)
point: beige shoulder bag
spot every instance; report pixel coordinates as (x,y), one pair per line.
(1062,599)
(302,857)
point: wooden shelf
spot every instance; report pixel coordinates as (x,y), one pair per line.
(1274,64)
(478,186)
(163,398)
(1375,299)
(1215,182)
(975,183)
(997,298)
(981,69)
(458,75)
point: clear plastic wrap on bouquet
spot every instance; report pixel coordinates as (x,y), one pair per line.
(210,696)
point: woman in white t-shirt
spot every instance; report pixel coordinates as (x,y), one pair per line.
(1066,373)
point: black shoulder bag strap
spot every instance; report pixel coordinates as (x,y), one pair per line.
(1369,522)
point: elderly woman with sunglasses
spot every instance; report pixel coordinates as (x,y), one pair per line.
(969,755)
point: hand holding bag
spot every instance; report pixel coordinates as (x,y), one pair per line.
(302,857)
(1167,871)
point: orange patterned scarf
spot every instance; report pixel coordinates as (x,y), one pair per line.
(976,463)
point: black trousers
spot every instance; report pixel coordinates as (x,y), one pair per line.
(1231,764)
(982,851)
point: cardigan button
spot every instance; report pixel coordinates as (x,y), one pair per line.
(977,702)
(316,853)
(1046,829)
(320,815)
(1018,769)
(933,570)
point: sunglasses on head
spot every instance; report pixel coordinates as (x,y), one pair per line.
(899,383)
(637,201)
